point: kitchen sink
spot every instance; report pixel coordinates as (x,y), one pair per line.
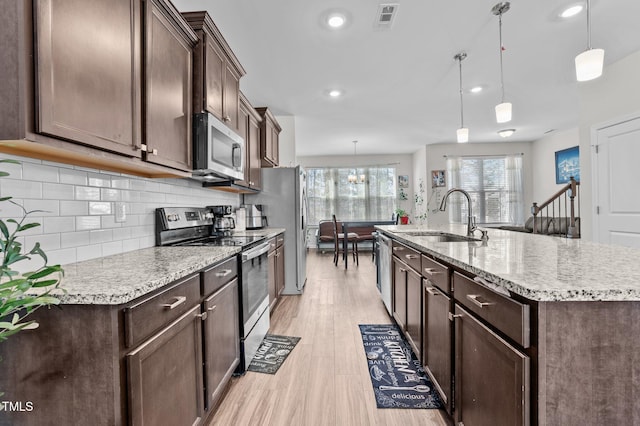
(441,237)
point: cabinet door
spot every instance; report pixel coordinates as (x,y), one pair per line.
(273,277)
(275,146)
(164,375)
(438,333)
(231,100)
(88,72)
(221,340)
(255,175)
(266,143)
(400,293)
(414,312)
(492,377)
(280,270)
(243,130)
(214,67)
(168,65)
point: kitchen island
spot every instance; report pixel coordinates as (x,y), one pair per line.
(582,303)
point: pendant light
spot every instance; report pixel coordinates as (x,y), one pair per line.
(503,109)
(590,62)
(463,132)
(354,178)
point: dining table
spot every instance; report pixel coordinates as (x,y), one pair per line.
(358,224)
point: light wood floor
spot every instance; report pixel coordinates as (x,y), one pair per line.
(325,379)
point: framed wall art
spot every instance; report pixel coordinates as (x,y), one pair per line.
(438,179)
(568,164)
(403,181)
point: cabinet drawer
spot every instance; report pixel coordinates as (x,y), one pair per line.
(507,315)
(280,240)
(152,313)
(218,275)
(408,255)
(436,273)
(272,245)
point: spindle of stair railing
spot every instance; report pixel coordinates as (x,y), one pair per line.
(565,199)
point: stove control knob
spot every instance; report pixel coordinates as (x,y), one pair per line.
(173,217)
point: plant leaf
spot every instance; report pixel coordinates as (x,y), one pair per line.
(43,272)
(28,226)
(9,160)
(4,229)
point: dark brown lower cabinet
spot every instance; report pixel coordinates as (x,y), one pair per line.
(399,299)
(280,275)
(271,265)
(165,375)
(492,377)
(437,339)
(221,340)
(414,311)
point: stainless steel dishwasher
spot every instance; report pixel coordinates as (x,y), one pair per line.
(384,269)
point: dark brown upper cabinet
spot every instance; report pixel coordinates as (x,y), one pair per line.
(168,61)
(269,138)
(105,85)
(217,72)
(250,130)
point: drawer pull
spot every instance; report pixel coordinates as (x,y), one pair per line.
(452,317)
(212,308)
(202,316)
(432,271)
(179,301)
(474,299)
(432,291)
(411,256)
(402,270)
(398,248)
(224,273)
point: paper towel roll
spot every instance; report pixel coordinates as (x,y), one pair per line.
(241,219)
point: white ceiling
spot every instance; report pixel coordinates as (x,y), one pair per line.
(401,85)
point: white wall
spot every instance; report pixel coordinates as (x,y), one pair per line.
(78,222)
(543,160)
(420,176)
(436,160)
(614,95)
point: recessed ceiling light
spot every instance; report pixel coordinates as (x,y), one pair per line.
(571,10)
(336,20)
(506,132)
(476,89)
(335,93)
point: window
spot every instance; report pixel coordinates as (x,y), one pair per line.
(494,184)
(329,192)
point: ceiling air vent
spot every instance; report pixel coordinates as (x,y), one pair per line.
(385,16)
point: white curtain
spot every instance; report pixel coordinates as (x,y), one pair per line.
(494,184)
(330,192)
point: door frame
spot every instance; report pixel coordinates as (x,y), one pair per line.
(595,177)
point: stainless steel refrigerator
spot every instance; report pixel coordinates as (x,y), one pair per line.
(284,203)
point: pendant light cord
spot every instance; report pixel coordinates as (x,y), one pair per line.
(460,57)
(501,49)
(588,24)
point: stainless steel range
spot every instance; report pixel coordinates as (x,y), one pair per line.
(193,226)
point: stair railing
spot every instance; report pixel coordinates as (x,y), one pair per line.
(564,201)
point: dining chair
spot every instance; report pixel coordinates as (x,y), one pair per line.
(338,242)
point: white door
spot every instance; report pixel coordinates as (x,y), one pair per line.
(617,184)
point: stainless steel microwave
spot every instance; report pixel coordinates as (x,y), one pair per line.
(218,152)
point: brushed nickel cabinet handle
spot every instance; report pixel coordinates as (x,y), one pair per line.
(432,271)
(212,308)
(179,301)
(398,248)
(474,299)
(432,291)
(202,316)
(224,273)
(411,256)
(226,118)
(453,316)
(402,270)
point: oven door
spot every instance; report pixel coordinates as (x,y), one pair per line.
(255,286)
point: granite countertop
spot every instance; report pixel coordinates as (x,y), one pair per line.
(121,278)
(538,267)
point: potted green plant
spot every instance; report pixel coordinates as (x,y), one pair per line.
(402,214)
(22,293)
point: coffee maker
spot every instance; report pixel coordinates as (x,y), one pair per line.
(223,223)
(255,216)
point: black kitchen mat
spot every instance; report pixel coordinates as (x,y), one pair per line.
(272,352)
(397,376)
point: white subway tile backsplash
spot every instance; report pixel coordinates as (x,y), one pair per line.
(80,224)
(113,247)
(57,191)
(43,207)
(74,239)
(108,194)
(21,188)
(62,256)
(87,193)
(59,224)
(40,172)
(36,230)
(74,177)
(74,208)
(87,222)
(99,207)
(89,252)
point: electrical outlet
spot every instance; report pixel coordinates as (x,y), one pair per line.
(121,211)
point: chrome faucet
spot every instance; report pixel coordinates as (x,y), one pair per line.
(471,220)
